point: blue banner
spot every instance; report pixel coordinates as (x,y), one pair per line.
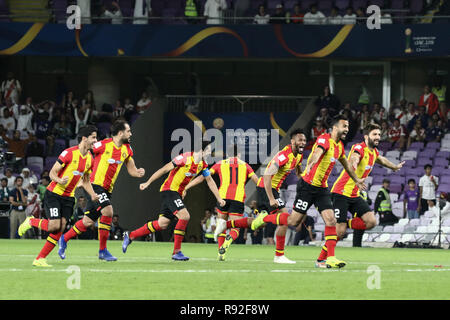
(255,133)
(226,41)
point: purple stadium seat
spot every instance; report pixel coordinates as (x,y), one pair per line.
(60,7)
(397,179)
(415,6)
(49,162)
(104,128)
(443,154)
(306,4)
(399,228)
(397,4)
(359,4)
(414,222)
(433,145)
(430,153)
(443,188)
(272,4)
(134,117)
(342,4)
(423,161)
(416,146)
(395,188)
(440,162)
(444,177)
(37,170)
(290,4)
(324,5)
(438,170)
(379,3)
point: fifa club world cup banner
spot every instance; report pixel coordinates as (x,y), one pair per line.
(256,134)
(225,41)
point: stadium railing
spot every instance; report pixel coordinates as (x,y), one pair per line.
(228,18)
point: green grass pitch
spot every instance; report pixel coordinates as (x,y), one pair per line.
(146,271)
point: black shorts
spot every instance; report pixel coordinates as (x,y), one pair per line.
(308,195)
(57,207)
(263,200)
(232,207)
(269,230)
(171,203)
(93,209)
(343,204)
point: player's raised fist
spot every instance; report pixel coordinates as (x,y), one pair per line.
(95,197)
(141,172)
(399,166)
(273,203)
(64,180)
(143,186)
(361,185)
(222,203)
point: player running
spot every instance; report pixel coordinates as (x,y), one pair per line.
(233,174)
(345,193)
(312,187)
(268,197)
(110,154)
(73,164)
(181,170)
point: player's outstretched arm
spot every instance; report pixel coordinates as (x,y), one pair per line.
(133,170)
(158,174)
(388,164)
(86,184)
(54,174)
(193,183)
(213,187)
(314,159)
(351,172)
(255,179)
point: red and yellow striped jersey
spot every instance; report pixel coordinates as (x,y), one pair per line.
(344,184)
(333,151)
(233,174)
(286,162)
(107,162)
(185,169)
(74,166)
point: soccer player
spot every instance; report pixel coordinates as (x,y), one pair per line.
(181,170)
(110,154)
(73,164)
(312,188)
(346,194)
(268,197)
(233,174)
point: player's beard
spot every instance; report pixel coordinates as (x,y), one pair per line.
(372,143)
(126,140)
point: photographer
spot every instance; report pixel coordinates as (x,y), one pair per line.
(18,199)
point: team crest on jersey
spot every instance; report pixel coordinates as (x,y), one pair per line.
(124,155)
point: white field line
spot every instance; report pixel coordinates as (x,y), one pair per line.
(222,271)
(134,259)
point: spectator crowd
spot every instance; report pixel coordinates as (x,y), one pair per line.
(32,135)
